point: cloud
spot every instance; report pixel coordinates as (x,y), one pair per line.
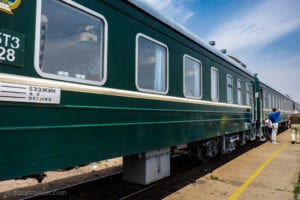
(246,31)
(282,74)
(175,9)
(254,27)
(158,4)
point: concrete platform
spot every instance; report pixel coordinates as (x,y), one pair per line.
(269,171)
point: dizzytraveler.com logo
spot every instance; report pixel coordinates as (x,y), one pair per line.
(8,6)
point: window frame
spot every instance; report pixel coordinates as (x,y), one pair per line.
(217,84)
(248,94)
(239,89)
(201,76)
(265,99)
(270,100)
(136,64)
(87,11)
(227,76)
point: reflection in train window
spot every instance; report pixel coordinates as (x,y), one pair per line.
(72,45)
(265,96)
(239,92)
(270,101)
(248,94)
(192,77)
(151,65)
(229,88)
(214,80)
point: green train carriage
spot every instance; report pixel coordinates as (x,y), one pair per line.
(270,99)
(83,81)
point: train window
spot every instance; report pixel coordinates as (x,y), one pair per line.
(151,65)
(239,91)
(265,99)
(248,94)
(285,105)
(270,102)
(229,88)
(192,77)
(71,42)
(214,84)
(280,104)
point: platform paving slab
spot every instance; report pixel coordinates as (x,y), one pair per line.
(275,181)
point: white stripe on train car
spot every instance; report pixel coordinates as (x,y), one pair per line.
(75,87)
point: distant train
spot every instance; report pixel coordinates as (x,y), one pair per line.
(82,81)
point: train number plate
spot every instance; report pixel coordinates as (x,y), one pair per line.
(29,93)
(12,48)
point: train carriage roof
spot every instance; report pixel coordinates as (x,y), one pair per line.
(178,27)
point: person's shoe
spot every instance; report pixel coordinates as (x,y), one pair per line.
(274,142)
(293,142)
(262,138)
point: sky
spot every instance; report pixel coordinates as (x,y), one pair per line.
(263,34)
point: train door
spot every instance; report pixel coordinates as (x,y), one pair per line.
(258,109)
(262,104)
(253,110)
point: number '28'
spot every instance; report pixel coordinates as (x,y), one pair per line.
(8,45)
(7,54)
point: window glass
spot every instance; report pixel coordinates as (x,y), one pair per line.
(239,91)
(229,88)
(71,43)
(270,101)
(248,95)
(214,84)
(192,77)
(280,103)
(151,65)
(264,98)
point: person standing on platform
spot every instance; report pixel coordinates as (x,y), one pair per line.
(274,117)
(269,127)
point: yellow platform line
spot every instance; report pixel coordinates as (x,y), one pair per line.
(251,178)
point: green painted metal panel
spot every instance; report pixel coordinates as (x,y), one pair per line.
(88,127)
(66,135)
